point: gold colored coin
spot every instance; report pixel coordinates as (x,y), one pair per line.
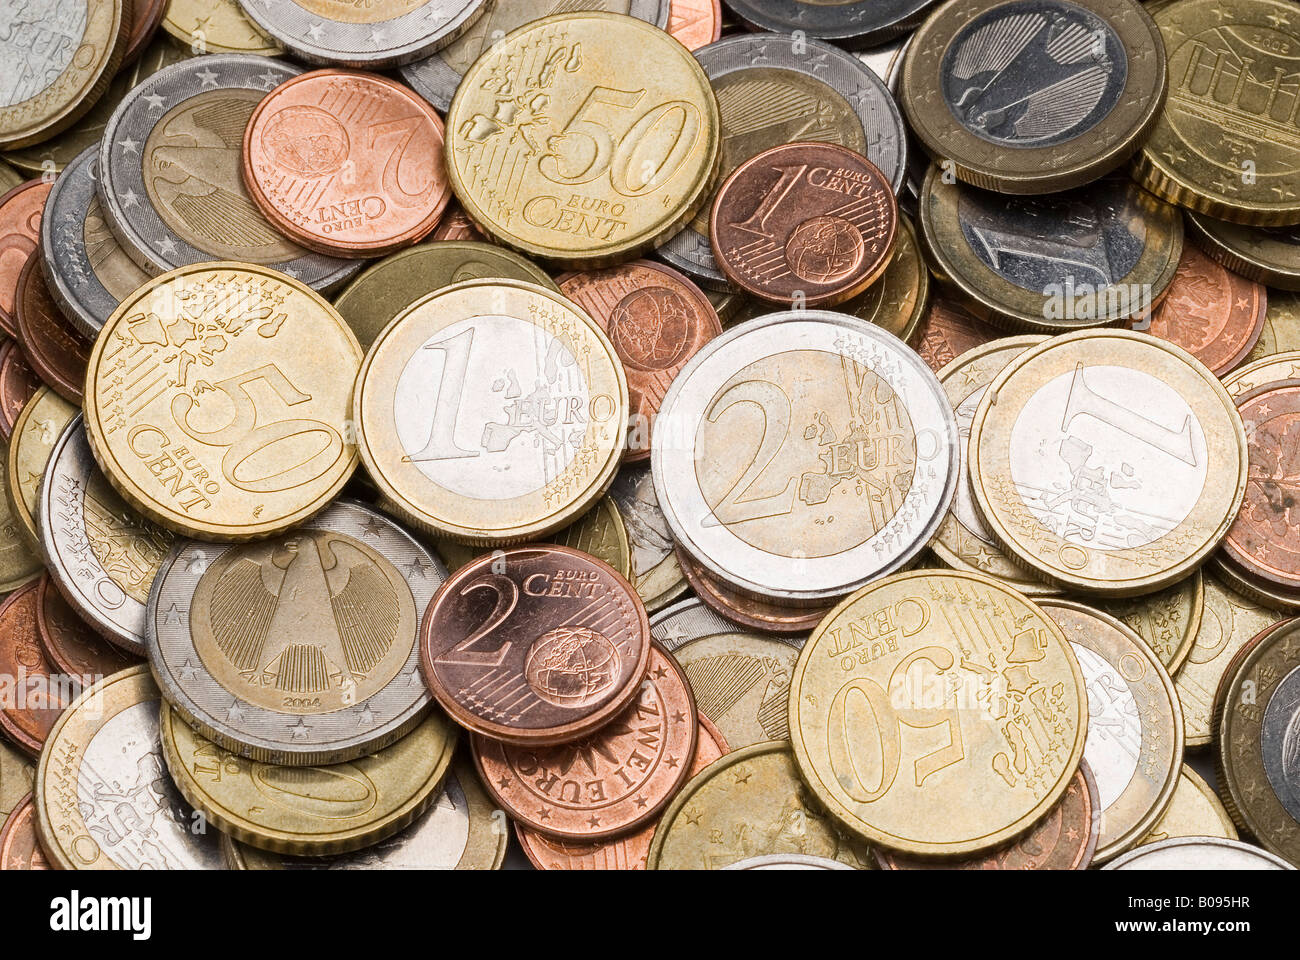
(19,563)
(310,810)
(1167,620)
(937,712)
(1111,462)
(748,803)
(217,401)
(899,299)
(584,138)
(491,412)
(1281,333)
(216,26)
(1269,255)
(36,430)
(16,775)
(1223,146)
(1195,811)
(9,178)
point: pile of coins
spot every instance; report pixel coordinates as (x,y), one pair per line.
(646,435)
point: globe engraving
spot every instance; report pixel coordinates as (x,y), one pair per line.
(824,249)
(572,666)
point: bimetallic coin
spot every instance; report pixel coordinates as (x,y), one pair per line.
(105,766)
(744,609)
(1268,255)
(1135,724)
(169,172)
(30,448)
(773,89)
(947,332)
(20,848)
(535,646)
(787,861)
(613,154)
(18,562)
(53,348)
(37,693)
(695,23)
(1281,333)
(1166,620)
(68,642)
(216,26)
(217,401)
(18,384)
(1253,175)
(654,569)
(851,23)
(59,59)
(491,412)
(1098,255)
(1111,463)
(804,454)
(1195,811)
(899,299)
(436,78)
(20,229)
(1199,853)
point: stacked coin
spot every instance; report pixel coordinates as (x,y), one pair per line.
(649,436)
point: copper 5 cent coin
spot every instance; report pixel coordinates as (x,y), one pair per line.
(809,223)
(20,228)
(56,351)
(346,163)
(535,645)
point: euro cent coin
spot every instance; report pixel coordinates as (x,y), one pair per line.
(20,228)
(30,448)
(20,847)
(216,26)
(54,348)
(1195,811)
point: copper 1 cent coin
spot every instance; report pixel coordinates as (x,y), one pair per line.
(57,352)
(347,163)
(811,224)
(535,645)
(20,847)
(71,646)
(657,320)
(1212,313)
(20,230)
(628,852)
(948,331)
(18,384)
(746,610)
(609,782)
(38,693)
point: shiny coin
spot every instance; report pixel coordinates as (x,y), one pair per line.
(965,657)
(53,348)
(1266,370)
(17,385)
(436,78)
(216,26)
(105,766)
(492,412)
(217,400)
(535,645)
(1268,255)
(169,172)
(1034,96)
(59,60)
(899,299)
(1094,256)
(384,33)
(69,644)
(363,193)
(20,228)
(616,154)
(1281,333)
(1199,853)
(20,848)
(30,448)
(804,454)
(300,650)
(654,569)
(18,562)
(787,861)
(657,320)
(749,803)
(37,693)
(695,23)
(1126,474)
(1253,175)
(102,554)
(773,89)
(947,331)
(744,609)
(853,23)
(311,810)
(1166,620)
(1195,811)
(454,225)
(1135,725)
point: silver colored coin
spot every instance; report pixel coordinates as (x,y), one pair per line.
(804,454)
(656,574)
(773,89)
(787,861)
(436,78)
(1198,853)
(1280,742)
(850,23)
(101,554)
(170,172)
(315,613)
(363,35)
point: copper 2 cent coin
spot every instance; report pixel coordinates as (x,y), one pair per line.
(39,694)
(347,163)
(807,224)
(657,320)
(57,352)
(535,645)
(71,646)
(20,228)
(18,384)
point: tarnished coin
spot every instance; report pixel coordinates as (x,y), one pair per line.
(436,78)
(17,772)
(741,680)
(535,645)
(54,349)
(1252,175)
(310,810)
(459,831)
(375,298)
(1281,333)
(655,572)
(19,563)
(851,23)
(169,172)
(59,58)
(346,163)
(1199,853)
(1211,312)
(963,656)
(1034,96)
(613,153)
(18,384)
(1125,475)
(105,767)
(217,401)
(37,693)
(746,610)
(299,650)
(1166,620)
(749,803)
(20,229)
(657,320)
(216,26)
(947,331)
(102,554)
(774,89)
(491,412)
(20,848)
(374,34)
(1268,255)
(68,642)
(1135,724)
(804,454)
(30,448)
(610,782)
(695,23)
(1098,255)
(899,299)
(1195,811)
